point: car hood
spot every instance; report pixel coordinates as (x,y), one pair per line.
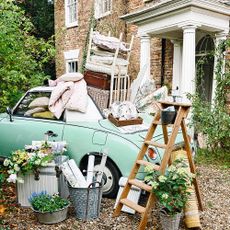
(3,115)
(136,137)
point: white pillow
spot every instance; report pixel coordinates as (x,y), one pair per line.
(30,112)
(39,102)
(71,77)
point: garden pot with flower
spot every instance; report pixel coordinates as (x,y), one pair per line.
(49,209)
(33,169)
(171,191)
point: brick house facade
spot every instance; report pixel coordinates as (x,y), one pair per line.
(74,38)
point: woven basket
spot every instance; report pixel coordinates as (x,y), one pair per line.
(100,96)
(86,201)
(170,222)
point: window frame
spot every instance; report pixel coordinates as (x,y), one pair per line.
(99,11)
(68,61)
(67,15)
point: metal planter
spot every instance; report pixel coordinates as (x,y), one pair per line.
(52,217)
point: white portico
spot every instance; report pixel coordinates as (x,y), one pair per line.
(185,23)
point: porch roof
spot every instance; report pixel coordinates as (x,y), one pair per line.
(165,19)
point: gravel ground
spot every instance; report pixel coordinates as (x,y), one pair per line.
(214,185)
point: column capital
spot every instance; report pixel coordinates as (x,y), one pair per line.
(145,36)
(176,42)
(189,27)
(221,35)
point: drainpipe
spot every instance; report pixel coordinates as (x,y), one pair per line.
(163,49)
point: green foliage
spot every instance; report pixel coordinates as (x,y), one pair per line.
(22,55)
(42,16)
(219,156)
(22,161)
(171,189)
(213,120)
(44,202)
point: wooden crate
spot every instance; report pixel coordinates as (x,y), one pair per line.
(118,123)
(98,80)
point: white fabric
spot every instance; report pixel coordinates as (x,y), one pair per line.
(106,68)
(108,60)
(68,95)
(71,77)
(111,43)
(34,110)
(39,102)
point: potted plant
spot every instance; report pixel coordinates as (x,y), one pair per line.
(22,162)
(49,209)
(171,191)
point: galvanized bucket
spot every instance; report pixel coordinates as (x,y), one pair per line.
(52,217)
(87,201)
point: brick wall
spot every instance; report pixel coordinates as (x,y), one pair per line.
(74,38)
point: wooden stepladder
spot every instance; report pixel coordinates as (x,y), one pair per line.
(168,146)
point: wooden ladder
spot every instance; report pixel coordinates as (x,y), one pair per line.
(168,146)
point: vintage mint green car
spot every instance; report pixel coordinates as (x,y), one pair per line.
(84,133)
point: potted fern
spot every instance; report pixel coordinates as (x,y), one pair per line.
(49,209)
(171,191)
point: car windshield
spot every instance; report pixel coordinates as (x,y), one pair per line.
(35,104)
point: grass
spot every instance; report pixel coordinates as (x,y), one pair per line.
(219,157)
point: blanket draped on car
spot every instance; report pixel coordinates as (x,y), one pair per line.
(68,95)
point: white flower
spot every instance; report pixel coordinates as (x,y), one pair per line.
(11,171)
(6,162)
(181,171)
(41,155)
(31,155)
(172,168)
(44,164)
(37,162)
(12,178)
(154,184)
(162,178)
(165,196)
(16,168)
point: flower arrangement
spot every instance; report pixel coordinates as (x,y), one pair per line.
(27,160)
(43,202)
(171,189)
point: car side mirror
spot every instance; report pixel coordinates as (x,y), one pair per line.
(9,112)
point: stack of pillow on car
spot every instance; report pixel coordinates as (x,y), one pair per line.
(39,108)
(103,50)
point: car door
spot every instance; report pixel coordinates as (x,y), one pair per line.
(21,130)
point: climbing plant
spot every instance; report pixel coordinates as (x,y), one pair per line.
(213,119)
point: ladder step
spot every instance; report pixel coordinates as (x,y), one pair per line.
(140,185)
(133,205)
(153,143)
(146,163)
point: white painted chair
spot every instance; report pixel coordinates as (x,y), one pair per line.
(116,67)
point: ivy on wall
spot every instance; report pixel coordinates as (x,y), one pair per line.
(213,120)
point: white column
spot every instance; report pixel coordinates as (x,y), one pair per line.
(219,38)
(188,61)
(177,61)
(145,54)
